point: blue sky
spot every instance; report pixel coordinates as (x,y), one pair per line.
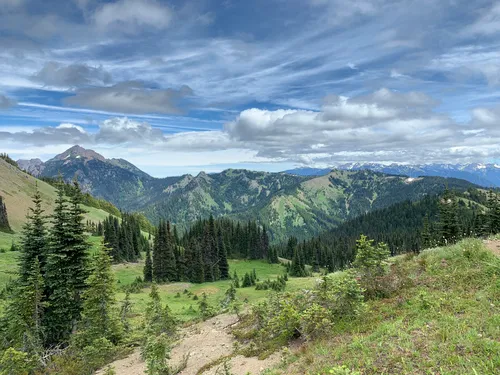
(182,86)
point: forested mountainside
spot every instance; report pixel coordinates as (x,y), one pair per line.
(403,227)
(476,173)
(286,204)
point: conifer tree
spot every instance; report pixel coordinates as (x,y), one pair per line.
(448,215)
(99,314)
(426,233)
(4,219)
(148,265)
(170,261)
(24,313)
(223,264)
(34,238)
(66,269)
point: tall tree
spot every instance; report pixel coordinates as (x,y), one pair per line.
(222,256)
(99,314)
(34,238)
(148,265)
(66,269)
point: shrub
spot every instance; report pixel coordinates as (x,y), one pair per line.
(14,362)
(370,265)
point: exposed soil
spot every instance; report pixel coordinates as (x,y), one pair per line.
(204,343)
(493,246)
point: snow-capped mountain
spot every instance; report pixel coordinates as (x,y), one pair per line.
(487,175)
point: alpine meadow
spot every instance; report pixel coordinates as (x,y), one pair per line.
(220,187)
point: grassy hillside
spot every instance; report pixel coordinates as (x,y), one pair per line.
(443,319)
(17,188)
(126,274)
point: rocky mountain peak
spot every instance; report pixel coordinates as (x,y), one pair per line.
(77,152)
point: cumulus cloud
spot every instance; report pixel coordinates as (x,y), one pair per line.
(384,125)
(73,75)
(131,97)
(131,16)
(6,102)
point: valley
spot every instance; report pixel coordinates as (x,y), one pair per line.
(287,204)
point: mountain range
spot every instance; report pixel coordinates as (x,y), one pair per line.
(289,204)
(487,175)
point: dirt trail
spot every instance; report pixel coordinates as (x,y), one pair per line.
(204,342)
(493,246)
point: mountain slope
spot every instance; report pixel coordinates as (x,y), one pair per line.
(287,204)
(17,188)
(327,201)
(480,174)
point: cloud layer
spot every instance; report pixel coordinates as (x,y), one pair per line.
(384,126)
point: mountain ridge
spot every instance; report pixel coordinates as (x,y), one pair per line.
(482,174)
(287,204)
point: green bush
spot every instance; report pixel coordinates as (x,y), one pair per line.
(14,362)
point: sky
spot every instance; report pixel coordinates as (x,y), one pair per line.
(181,86)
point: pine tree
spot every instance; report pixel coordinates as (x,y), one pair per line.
(297,268)
(159,251)
(24,313)
(223,264)
(170,261)
(66,270)
(99,314)
(148,265)
(426,233)
(34,238)
(198,269)
(448,214)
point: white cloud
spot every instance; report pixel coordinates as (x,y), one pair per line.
(131,16)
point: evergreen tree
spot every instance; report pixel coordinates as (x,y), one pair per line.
(4,219)
(34,238)
(148,265)
(170,261)
(24,313)
(448,214)
(223,264)
(99,314)
(66,269)
(426,233)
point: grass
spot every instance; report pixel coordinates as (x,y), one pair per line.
(185,307)
(446,321)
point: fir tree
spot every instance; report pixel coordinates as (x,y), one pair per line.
(448,214)
(66,269)
(24,314)
(99,314)
(223,264)
(34,238)
(148,265)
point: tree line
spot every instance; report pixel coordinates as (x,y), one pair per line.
(201,254)
(404,227)
(123,238)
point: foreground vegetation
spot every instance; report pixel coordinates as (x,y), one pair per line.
(438,312)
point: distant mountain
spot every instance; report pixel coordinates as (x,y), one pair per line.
(33,166)
(487,175)
(288,204)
